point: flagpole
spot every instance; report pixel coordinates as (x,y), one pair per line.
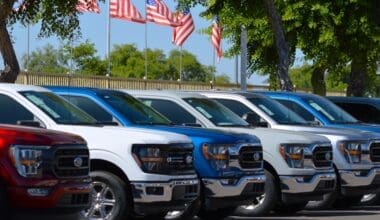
(214,65)
(146,44)
(109,40)
(180,63)
(27,48)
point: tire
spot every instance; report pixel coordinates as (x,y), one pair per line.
(108,186)
(187,214)
(287,209)
(370,199)
(4,203)
(264,204)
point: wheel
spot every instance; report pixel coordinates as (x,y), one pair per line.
(289,208)
(4,203)
(187,214)
(344,202)
(370,199)
(264,204)
(110,198)
(325,203)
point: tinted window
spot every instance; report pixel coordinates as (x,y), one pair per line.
(132,109)
(171,110)
(364,112)
(11,111)
(215,112)
(295,107)
(90,107)
(58,109)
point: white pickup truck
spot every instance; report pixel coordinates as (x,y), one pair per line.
(130,167)
(298,165)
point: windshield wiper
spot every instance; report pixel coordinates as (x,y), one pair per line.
(232,125)
(153,123)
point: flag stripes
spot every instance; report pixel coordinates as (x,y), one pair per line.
(181,33)
(216,38)
(159,13)
(88,6)
(124,9)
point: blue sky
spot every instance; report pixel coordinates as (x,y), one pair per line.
(94,29)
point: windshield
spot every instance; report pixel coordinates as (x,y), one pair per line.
(276,111)
(58,109)
(329,110)
(133,109)
(216,113)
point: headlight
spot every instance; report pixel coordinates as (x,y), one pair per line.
(217,155)
(293,155)
(27,159)
(164,159)
(352,151)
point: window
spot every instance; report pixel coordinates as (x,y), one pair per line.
(171,110)
(297,109)
(364,112)
(90,107)
(11,111)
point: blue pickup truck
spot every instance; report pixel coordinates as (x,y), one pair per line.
(230,165)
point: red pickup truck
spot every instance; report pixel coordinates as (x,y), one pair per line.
(42,170)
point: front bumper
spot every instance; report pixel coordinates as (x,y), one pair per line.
(159,197)
(219,193)
(360,182)
(306,188)
(69,197)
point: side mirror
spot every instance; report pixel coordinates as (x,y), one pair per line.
(29,123)
(254,120)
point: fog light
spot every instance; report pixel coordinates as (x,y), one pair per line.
(155,190)
(38,192)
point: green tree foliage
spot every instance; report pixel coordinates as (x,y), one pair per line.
(46,60)
(222,79)
(57,17)
(85,60)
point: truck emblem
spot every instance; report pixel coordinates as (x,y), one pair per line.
(328,156)
(189,159)
(78,162)
(256,156)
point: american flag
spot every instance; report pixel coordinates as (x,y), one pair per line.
(216,38)
(159,13)
(181,33)
(124,9)
(88,6)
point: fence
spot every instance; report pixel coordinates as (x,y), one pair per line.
(127,83)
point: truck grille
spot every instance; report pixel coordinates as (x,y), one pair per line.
(176,160)
(251,157)
(374,151)
(322,156)
(71,162)
(79,199)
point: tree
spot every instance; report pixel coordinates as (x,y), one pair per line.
(269,50)
(222,79)
(57,17)
(46,60)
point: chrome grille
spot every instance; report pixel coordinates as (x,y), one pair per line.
(72,161)
(322,156)
(374,151)
(251,157)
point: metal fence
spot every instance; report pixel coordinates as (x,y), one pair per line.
(43,79)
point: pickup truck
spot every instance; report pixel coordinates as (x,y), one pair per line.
(298,165)
(229,165)
(260,110)
(134,171)
(43,170)
(319,110)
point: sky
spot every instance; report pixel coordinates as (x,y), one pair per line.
(94,28)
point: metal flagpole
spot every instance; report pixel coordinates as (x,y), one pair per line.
(109,40)
(243,61)
(180,64)
(214,65)
(146,45)
(27,48)
(237,70)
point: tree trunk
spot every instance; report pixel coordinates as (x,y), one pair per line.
(318,81)
(281,45)
(11,65)
(358,80)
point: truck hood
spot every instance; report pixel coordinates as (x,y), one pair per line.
(341,133)
(210,135)
(282,136)
(359,126)
(111,135)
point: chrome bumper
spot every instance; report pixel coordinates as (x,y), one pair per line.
(297,184)
(149,192)
(219,188)
(352,178)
